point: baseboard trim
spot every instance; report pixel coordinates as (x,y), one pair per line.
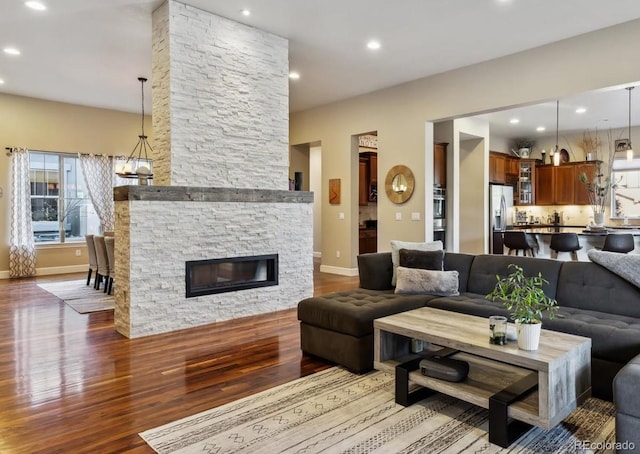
(53,270)
(339,270)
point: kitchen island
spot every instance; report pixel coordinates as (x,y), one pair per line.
(589,239)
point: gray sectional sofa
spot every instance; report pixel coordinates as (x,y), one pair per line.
(593,302)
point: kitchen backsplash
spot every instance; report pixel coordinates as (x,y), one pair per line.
(578,215)
(368,212)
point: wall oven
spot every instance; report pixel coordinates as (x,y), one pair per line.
(439,203)
(439,214)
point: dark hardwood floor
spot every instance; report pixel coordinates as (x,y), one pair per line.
(70,384)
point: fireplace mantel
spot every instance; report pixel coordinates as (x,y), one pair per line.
(205,194)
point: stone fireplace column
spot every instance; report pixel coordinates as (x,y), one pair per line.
(220,188)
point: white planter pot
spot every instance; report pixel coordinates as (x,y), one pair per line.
(598,219)
(528,335)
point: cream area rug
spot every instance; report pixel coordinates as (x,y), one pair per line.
(335,411)
(80,296)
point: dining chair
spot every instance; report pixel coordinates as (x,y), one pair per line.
(93,261)
(103,261)
(109,242)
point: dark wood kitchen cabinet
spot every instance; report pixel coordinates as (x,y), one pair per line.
(497,167)
(560,185)
(440,164)
(368,241)
(368,178)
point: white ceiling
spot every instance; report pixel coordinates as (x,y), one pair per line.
(91,52)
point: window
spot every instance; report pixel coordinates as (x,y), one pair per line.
(626,196)
(61,210)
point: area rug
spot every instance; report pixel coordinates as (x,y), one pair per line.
(80,296)
(335,411)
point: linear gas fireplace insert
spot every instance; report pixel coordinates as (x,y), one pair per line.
(205,277)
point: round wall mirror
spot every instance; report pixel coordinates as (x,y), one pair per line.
(399,184)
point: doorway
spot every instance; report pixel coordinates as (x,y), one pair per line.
(305,161)
(367,192)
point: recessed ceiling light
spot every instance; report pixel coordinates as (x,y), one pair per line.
(38,6)
(373,44)
(246,12)
(294,75)
(1,81)
(541,128)
(11,51)
(581,110)
(514,121)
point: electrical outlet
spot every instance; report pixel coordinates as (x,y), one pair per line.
(337,254)
(415,216)
(78,252)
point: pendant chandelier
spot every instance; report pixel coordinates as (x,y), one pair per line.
(629,148)
(137,164)
(556,153)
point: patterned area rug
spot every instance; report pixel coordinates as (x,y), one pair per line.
(80,296)
(335,411)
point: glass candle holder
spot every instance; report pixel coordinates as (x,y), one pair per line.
(498,330)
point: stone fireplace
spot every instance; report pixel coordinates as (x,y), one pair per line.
(220,138)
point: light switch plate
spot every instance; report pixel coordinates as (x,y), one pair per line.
(398,216)
(341,215)
(415,216)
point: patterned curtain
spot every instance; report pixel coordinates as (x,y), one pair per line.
(22,247)
(98,176)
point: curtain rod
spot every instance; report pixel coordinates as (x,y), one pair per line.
(10,150)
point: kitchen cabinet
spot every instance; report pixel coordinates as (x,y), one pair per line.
(497,167)
(368,178)
(544,185)
(564,183)
(560,185)
(368,241)
(440,165)
(373,168)
(525,188)
(363,186)
(503,168)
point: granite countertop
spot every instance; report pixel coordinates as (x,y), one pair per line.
(550,230)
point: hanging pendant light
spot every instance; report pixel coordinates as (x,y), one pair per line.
(629,148)
(556,153)
(137,166)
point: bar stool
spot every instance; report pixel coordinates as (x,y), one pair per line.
(619,242)
(565,242)
(517,240)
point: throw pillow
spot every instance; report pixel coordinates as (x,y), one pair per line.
(427,260)
(397,245)
(417,281)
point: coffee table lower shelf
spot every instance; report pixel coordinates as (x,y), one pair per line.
(486,378)
(503,429)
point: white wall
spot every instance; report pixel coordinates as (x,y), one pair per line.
(315,186)
(471,151)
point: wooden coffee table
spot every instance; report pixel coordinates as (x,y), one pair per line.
(519,388)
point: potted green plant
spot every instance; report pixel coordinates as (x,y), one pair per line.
(524,297)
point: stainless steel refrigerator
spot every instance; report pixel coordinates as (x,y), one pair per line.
(500,215)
